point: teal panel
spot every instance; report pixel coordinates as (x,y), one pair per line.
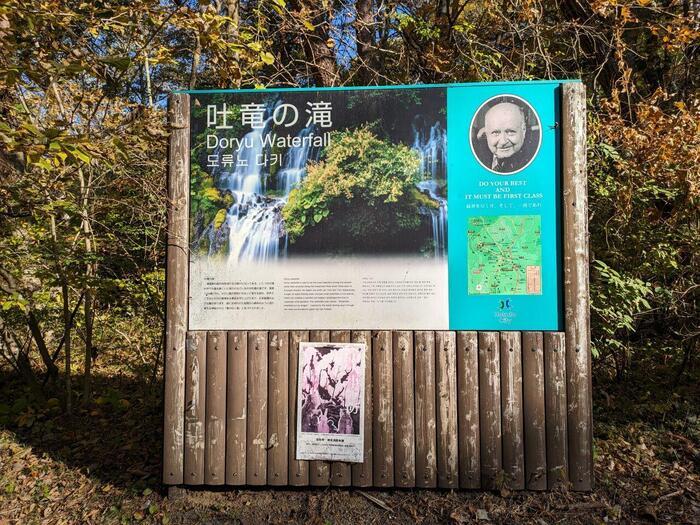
(503,200)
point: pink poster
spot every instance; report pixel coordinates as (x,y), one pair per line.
(330,402)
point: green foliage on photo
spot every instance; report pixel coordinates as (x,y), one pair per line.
(208,203)
(362,188)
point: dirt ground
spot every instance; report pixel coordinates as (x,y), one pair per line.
(103,466)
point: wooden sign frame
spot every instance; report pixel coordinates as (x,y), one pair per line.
(472,410)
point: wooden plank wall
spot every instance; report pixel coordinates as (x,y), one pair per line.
(472,410)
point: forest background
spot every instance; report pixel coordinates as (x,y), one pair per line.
(83,139)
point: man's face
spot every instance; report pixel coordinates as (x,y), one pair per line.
(505,129)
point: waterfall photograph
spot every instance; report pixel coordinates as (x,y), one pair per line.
(279,175)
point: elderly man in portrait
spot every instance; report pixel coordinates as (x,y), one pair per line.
(506,143)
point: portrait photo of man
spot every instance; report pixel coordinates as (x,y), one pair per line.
(505,134)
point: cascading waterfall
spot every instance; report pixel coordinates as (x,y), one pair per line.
(432,149)
(294,168)
(254,220)
(247,175)
(438,216)
(433,160)
(255,229)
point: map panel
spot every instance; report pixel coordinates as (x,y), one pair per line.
(504,255)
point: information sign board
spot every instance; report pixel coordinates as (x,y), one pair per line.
(329,208)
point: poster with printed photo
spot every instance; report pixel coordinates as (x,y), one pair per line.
(330,402)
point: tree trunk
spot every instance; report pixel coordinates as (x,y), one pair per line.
(233,12)
(67,321)
(318,53)
(196,56)
(13,353)
(87,378)
(67,325)
(35,329)
(85,189)
(147,71)
(323,59)
(364,31)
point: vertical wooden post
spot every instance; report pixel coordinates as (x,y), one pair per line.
(236,407)
(490,409)
(195,399)
(278,403)
(555,409)
(176,282)
(426,438)
(468,409)
(512,410)
(446,386)
(341,474)
(382,411)
(256,455)
(215,449)
(362,472)
(298,470)
(576,290)
(404,408)
(533,411)
(319,471)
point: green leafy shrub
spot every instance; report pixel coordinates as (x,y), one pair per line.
(362,191)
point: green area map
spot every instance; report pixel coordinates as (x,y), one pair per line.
(504,255)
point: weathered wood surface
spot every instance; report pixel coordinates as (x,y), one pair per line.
(512,410)
(319,471)
(176,283)
(341,473)
(426,418)
(195,397)
(446,387)
(215,443)
(555,409)
(534,411)
(256,436)
(236,407)
(468,410)
(404,407)
(362,472)
(490,409)
(278,404)
(576,286)
(383,414)
(298,470)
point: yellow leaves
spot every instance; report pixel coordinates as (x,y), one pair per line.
(267,57)
(663,144)
(626,15)
(219,219)
(211,194)
(161,55)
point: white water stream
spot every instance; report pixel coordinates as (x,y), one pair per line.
(432,149)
